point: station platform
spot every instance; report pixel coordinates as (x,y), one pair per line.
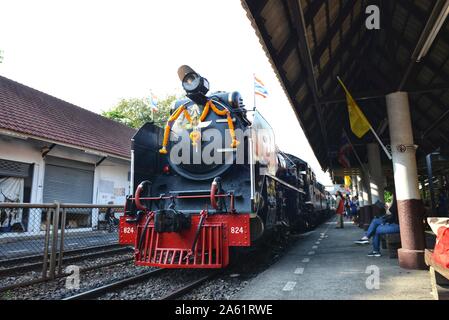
(326,264)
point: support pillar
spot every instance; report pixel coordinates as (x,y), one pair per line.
(410,208)
(358,182)
(360,191)
(430,180)
(366,214)
(352,187)
(34,221)
(423,188)
(376,174)
(366,188)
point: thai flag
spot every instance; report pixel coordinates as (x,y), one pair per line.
(153,102)
(345,147)
(259,87)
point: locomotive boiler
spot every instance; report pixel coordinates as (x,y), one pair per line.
(212,179)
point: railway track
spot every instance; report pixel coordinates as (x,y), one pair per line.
(39,257)
(188,287)
(97,292)
(23,264)
(123,283)
(65,274)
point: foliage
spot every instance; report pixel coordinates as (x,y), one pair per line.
(388,196)
(136,112)
(1,56)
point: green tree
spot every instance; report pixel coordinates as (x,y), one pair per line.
(1,56)
(136,112)
(388,196)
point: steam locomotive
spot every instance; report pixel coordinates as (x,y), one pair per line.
(211,180)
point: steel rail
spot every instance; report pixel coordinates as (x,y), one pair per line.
(35,265)
(188,287)
(93,293)
(23,259)
(63,275)
(61,205)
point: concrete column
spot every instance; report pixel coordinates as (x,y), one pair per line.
(423,188)
(430,180)
(354,185)
(410,209)
(361,200)
(366,188)
(360,191)
(35,215)
(366,212)
(440,189)
(376,174)
(34,221)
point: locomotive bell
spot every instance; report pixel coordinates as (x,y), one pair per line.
(195,85)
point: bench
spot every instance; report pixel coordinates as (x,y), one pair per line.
(391,242)
(439,277)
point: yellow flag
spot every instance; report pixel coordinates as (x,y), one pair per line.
(359,124)
(347,181)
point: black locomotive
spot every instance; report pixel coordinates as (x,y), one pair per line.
(211,180)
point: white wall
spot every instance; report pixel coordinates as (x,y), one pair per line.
(110,185)
(111,182)
(110,177)
(23,151)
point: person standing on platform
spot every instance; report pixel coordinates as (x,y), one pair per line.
(340,210)
(354,208)
(347,206)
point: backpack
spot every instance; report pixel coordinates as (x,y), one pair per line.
(441,251)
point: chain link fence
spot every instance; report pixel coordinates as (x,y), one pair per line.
(50,236)
(24,228)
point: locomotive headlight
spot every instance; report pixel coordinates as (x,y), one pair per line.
(191,82)
(195,85)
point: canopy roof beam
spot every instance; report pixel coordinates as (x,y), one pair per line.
(304,51)
(429,29)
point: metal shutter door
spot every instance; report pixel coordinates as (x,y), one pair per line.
(14,169)
(68,185)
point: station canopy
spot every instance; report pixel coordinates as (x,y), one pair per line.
(311,42)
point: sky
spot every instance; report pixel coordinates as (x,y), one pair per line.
(94,53)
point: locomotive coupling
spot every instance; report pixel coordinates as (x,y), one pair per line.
(170,220)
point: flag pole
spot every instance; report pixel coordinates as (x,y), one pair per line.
(254,90)
(381,144)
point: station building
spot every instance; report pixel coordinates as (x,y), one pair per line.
(52,150)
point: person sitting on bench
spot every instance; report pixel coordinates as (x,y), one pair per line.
(386,224)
